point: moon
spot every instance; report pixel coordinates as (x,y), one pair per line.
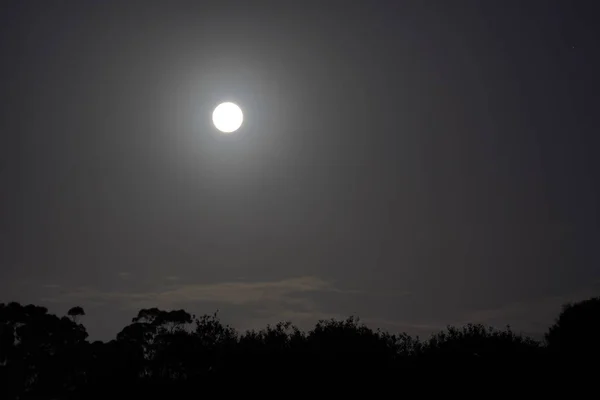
(228,117)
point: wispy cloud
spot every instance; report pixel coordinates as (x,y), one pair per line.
(51,286)
(249,304)
(286,291)
(50,300)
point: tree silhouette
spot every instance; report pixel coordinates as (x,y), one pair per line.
(75,313)
(172,353)
(39,350)
(576,331)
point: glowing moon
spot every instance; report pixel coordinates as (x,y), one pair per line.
(227,117)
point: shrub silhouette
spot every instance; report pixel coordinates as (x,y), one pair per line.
(476,341)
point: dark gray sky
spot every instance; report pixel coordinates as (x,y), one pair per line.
(416,163)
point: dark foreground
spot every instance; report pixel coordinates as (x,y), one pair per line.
(167,354)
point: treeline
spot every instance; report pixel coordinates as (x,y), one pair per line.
(166,353)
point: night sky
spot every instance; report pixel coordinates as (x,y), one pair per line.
(416,164)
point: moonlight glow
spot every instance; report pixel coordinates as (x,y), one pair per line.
(227,117)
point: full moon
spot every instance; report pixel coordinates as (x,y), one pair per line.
(227,117)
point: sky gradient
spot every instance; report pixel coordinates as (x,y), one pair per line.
(415,163)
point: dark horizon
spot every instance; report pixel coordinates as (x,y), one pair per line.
(415,164)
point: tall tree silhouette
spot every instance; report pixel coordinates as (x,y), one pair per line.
(39,350)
